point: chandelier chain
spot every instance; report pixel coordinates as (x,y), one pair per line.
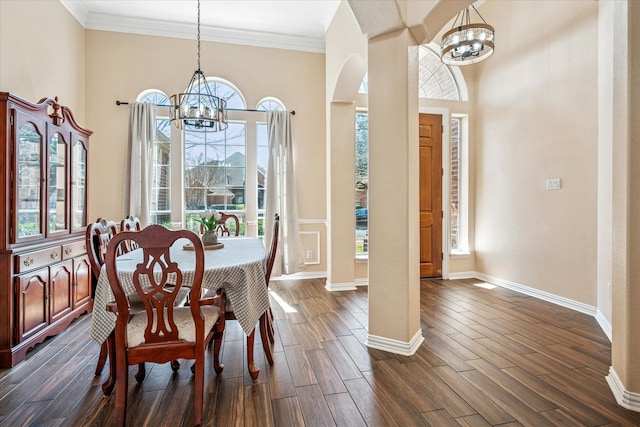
(198,34)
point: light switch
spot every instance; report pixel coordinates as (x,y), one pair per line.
(553,184)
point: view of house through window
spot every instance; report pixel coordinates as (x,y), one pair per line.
(214,173)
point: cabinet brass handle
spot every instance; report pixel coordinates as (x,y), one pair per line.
(54,255)
(28,261)
(67,251)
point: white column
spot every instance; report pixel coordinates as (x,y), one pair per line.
(394,243)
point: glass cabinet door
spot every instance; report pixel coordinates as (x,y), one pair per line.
(28,180)
(78,183)
(57,184)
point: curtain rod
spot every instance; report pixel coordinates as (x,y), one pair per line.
(293,113)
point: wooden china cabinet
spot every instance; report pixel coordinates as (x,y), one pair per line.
(45,276)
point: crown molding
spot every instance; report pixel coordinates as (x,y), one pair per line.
(151,27)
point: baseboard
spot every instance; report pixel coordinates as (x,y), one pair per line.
(604,325)
(394,346)
(463,275)
(626,399)
(362,282)
(555,299)
(347,286)
(302,275)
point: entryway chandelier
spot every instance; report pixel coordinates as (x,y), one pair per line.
(467,43)
(197,109)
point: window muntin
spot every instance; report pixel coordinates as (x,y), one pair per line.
(435,79)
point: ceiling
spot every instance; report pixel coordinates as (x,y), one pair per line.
(285,24)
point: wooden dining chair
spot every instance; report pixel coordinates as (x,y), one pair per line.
(163,332)
(97,237)
(222,229)
(266,320)
(129,223)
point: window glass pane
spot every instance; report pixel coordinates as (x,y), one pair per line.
(455,182)
(362,183)
(263,163)
(364,85)
(161,185)
(229,94)
(160,203)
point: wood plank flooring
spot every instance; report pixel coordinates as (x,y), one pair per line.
(490,357)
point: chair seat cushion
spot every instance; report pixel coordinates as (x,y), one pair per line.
(184,321)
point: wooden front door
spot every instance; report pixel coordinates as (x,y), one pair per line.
(430,195)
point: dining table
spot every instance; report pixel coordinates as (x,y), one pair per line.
(237,265)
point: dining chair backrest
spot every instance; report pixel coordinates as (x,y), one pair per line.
(273,249)
(97,238)
(223,229)
(157,280)
(129,223)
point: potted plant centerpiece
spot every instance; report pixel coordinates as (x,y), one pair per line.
(210,221)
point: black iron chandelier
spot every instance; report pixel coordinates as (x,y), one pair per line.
(197,109)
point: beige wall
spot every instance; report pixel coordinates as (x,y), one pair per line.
(120,66)
(536,118)
(42,48)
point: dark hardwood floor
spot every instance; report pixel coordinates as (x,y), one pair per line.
(490,357)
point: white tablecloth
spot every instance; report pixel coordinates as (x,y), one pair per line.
(239,268)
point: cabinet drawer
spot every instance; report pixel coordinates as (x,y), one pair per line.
(72,250)
(36,259)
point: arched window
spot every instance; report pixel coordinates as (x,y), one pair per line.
(435,80)
(161,186)
(270,104)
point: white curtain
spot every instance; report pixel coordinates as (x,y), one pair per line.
(139,170)
(281,195)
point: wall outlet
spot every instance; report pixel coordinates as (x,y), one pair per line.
(309,254)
